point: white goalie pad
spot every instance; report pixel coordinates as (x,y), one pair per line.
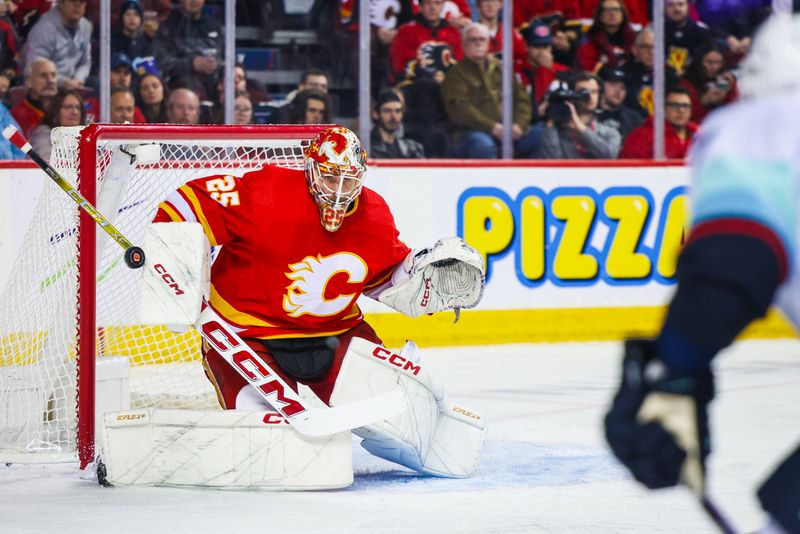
(176,274)
(432,436)
(221,449)
(448,276)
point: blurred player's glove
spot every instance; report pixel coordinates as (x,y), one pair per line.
(658,423)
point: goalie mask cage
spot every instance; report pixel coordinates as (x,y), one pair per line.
(70,305)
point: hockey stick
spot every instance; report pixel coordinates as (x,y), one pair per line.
(134,256)
(672,416)
(305,419)
(715,514)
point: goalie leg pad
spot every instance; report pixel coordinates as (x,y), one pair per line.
(431,436)
(221,449)
(453,450)
(324,385)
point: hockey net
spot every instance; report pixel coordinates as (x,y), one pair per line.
(68,314)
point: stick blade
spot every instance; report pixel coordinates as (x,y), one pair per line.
(316,422)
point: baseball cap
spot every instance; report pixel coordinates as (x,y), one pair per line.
(119,59)
(537,34)
(145,65)
(610,74)
(130,4)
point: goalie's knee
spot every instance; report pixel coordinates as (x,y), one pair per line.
(431,436)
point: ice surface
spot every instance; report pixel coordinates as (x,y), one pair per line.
(545,467)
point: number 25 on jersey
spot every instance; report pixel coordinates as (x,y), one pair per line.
(223,190)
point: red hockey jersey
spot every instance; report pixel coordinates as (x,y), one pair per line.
(279,273)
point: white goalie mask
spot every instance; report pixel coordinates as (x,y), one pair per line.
(335,168)
(773,63)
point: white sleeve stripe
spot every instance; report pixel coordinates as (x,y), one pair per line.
(181,206)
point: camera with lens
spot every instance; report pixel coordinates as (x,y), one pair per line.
(557,110)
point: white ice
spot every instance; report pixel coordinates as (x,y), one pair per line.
(545,467)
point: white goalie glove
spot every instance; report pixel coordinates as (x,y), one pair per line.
(447,276)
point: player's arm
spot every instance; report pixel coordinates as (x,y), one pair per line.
(728,274)
(201,213)
(658,422)
(212,201)
(447,276)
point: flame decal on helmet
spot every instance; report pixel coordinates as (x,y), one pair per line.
(329,147)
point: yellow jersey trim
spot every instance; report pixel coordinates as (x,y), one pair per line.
(238,318)
(198,210)
(173,215)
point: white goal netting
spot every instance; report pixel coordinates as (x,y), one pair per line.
(40,308)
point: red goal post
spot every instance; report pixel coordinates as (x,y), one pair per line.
(69,306)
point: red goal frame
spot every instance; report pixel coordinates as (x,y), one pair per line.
(87,238)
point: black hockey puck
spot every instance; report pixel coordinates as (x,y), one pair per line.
(134,257)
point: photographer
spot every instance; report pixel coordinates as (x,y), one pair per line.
(709,84)
(424,115)
(571,128)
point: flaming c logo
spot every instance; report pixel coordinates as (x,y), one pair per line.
(330,148)
(310,276)
(647,99)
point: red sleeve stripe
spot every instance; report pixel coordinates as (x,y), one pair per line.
(745,227)
(380,280)
(171,212)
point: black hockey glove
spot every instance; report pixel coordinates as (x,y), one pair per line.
(658,424)
(780,494)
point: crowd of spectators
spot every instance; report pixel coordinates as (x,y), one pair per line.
(584,69)
(583,72)
(166,66)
